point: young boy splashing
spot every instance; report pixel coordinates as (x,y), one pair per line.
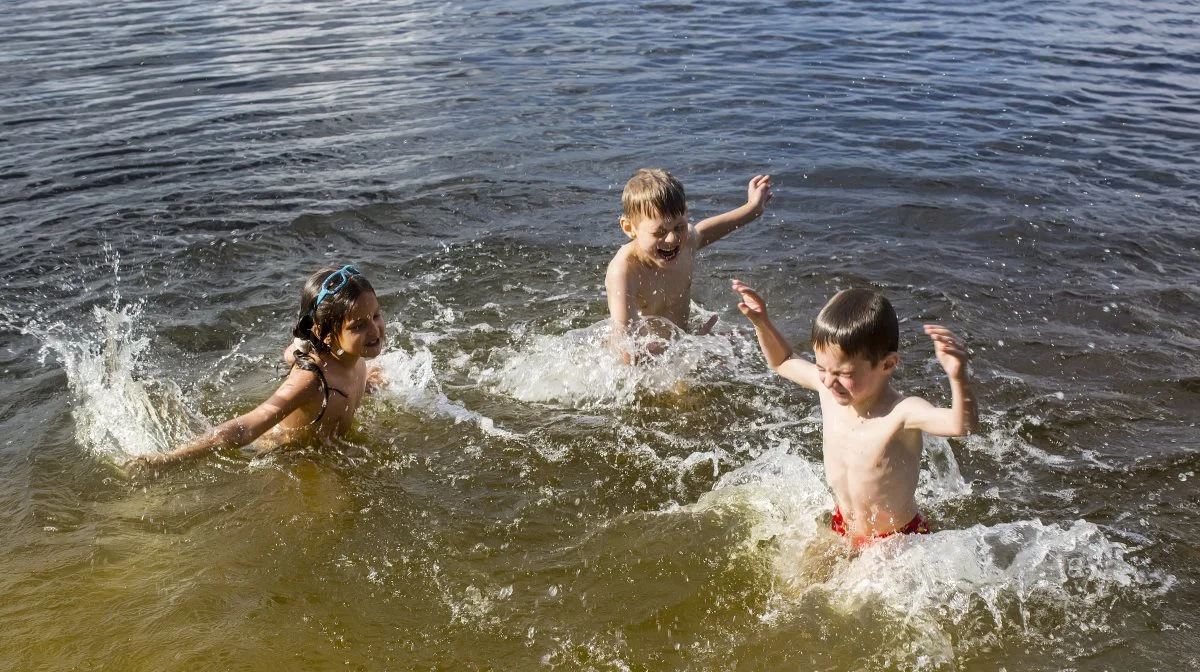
(651,275)
(871,433)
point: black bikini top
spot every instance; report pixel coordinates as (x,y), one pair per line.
(307,364)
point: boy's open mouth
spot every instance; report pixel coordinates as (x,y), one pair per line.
(667,255)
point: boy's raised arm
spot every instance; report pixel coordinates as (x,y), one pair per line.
(962,417)
(774,346)
(758,192)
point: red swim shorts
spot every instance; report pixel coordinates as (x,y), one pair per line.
(918,525)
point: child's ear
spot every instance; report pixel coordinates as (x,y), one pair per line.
(891,361)
(628,227)
(316,332)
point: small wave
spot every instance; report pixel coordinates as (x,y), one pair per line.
(578,368)
(412,382)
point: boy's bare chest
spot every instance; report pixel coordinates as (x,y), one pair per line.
(665,291)
(863,442)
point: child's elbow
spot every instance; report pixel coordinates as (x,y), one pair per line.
(968,426)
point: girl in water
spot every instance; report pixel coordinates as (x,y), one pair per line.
(339,327)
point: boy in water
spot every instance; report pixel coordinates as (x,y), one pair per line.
(651,275)
(871,434)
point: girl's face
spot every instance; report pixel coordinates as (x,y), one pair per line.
(361,334)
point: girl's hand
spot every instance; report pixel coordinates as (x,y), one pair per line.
(145,464)
(375,379)
(289,353)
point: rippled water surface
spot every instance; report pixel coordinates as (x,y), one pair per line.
(1024,173)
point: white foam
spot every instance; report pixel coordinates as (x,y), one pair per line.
(787,494)
(119,412)
(940,479)
(578,368)
(1026,579)
(412,381)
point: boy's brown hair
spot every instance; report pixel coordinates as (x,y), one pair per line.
(860,322)
(653,192)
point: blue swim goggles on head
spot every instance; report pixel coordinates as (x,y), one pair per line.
(334,284)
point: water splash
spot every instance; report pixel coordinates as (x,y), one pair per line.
(412,382)
(118,412)
(1026,580)
(940,479)
(934,597)
(548,368)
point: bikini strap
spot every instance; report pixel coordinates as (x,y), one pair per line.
(307,364)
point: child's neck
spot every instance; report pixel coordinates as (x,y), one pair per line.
(874,405)
(345,361)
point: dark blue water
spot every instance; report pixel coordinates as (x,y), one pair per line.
(169,173)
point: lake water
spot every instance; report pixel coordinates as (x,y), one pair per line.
(1021,172)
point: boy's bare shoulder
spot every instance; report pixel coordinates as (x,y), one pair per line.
(623,264)
(907,404)
(895,405)
(912,410)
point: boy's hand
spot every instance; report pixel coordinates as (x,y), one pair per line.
(752,305)
(951,351)
(759,192)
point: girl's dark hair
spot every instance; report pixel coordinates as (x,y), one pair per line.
(329,316)
(860,322)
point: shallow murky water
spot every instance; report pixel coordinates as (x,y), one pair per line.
(514,500)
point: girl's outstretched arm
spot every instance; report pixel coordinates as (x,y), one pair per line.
(300,387)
